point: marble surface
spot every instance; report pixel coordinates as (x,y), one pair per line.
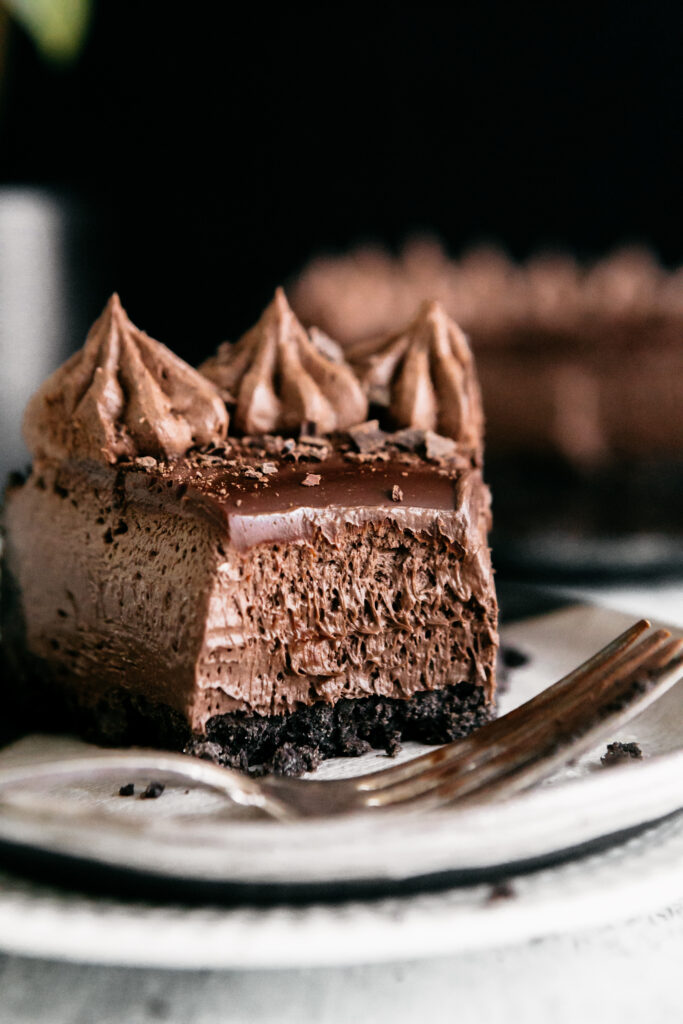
(627,972)
(631,973)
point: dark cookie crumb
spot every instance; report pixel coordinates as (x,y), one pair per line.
(297,742)
(513,657)
(503,890)
(619,753)
(127,790)
(154,790)
(251,742)
(291,760)
(392,744)
(204,749)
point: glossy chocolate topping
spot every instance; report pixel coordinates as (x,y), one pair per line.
(123,395)
(281,507)
(276,378)
(424,374)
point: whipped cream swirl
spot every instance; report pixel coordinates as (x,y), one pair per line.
(123,395)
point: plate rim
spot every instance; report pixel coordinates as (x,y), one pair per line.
(648,791)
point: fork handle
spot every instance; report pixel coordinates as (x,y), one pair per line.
(238,787)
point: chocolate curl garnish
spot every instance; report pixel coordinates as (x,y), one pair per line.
(123,395)
(275,378)
(424,375)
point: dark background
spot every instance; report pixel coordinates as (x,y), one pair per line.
(209,160)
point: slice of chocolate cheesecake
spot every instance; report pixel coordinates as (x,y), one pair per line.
(308,588)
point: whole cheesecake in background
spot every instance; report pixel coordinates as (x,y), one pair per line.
(581,361)
(237,562)
(581,370)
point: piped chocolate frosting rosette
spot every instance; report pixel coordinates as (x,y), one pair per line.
(276,378)
(123,395)
(423,377)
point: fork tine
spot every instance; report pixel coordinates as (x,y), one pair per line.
(356,793)
(461,750)
(661,676)
(543,740)
(520,730)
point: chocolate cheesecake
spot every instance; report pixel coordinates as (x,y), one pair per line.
(238,563)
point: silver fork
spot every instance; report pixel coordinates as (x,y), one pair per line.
(501,758)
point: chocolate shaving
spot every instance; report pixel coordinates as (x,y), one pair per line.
(367,437)
(317,442)
(438,447)
(274,444)
(410,439)
(311,480)
(308,429)
(312,452)
(379,456)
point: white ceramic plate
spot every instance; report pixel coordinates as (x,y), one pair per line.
(192,842)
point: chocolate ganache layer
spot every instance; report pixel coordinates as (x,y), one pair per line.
(222,598)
